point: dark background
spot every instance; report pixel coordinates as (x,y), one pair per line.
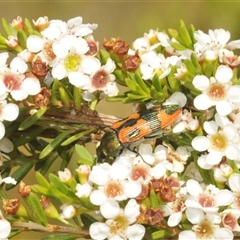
(127,20)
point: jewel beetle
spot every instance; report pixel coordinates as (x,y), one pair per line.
(133,128)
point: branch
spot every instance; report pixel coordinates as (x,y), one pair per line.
(85,116)
(29,226)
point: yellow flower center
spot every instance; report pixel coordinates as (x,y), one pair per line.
(72,62)
(118,225)
(113,189)
(219,142)
(204,230)
(216,92)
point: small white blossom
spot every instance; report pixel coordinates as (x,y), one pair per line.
(207,198)
(217,91)
(120,221)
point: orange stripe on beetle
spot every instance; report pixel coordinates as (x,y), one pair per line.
(167,119)
(120,124)
(134,133)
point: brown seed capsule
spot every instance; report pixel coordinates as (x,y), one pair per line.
(39,68)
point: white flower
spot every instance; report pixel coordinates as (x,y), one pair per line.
(113,182)
(234,184)
(65,175)
(212,42)
(13,80)
(163,158)
(217,91)
(69,51)
(218,143)
(230,219)
(68,211)
(8,180)
(207,198)
(99,78)
(153,62)
(83,190)
(8,112)
(176,208)
(5,227)
(187,122)
(177,98)
(35,43)
(205,227)
(6,146)
(120,221)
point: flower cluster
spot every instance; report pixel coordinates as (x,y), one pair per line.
(172,168)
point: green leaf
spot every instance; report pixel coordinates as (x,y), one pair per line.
(42,180)
(3,194)
(3,41)
(21,172)
(14,232)
(60,196)
(76,137)
(66,154)
(84,155)
(154,200)
(54,144)
(34,203)
(233,165)
(22,38)
(64,96)
(131,84)
(173,33)
(9,30)
(41,190)
(85,202)
(175,85)
(87,220)
(54,93)
(141,83)
(26,138)
(207,175)
(45,165)
(32,119)
(156,83)
(159,96)
(28,26)
(104,55)
(161,234)
(62,187)
(77,97)
(185,35)
(191,33)
(117,98)
(61,236)
(178,46)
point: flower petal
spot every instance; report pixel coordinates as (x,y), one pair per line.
(135,232)
(193,187)
(233,93)
(99,231)
(174,219)
(110,208)
(234,182)
(194,215)
(224,197)
(200,143)
(10,112)
(223,74)
(202,102)
(201,82)
(5,228)
(224,107)
(31,86)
